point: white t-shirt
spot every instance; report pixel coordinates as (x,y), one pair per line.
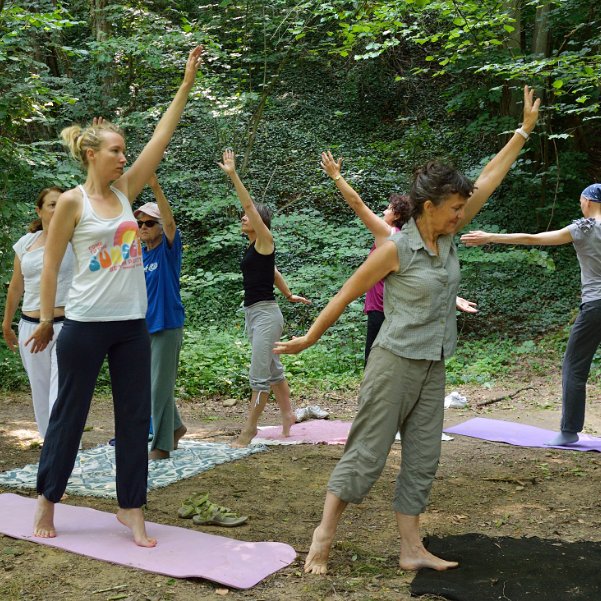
(32,262)
(109,280)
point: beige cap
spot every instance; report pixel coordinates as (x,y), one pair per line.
(150,208)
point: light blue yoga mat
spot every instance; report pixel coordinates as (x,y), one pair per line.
(94,471)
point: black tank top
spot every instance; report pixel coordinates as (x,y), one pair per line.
(258,274)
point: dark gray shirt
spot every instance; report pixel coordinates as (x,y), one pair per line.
(419,299)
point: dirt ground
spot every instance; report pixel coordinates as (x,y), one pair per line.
(482,487)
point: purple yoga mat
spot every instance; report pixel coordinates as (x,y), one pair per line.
(519,435)
(311,432)
(180,552)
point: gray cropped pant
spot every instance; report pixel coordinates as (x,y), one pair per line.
(396,395)
(264,325)
(164,360)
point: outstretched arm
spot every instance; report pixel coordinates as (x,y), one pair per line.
(285,290)
(264,241)
(377,266)
(554,238)
(16,288)
(135,178)
(494,172)
(376,225)
(169,225)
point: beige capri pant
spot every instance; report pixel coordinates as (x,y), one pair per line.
(397,395)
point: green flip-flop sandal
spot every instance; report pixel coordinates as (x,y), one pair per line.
(192,505)
(213,515)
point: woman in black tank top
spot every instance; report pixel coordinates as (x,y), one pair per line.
(264,322)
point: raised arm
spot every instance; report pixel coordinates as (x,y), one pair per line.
(135,178)
(377,266)
(169,225)
(60,232)
(376,225)
(281,285)
(554,238)
(264,241)
(16,288)
(494,172)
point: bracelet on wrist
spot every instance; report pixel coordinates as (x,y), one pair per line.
(520,130)
(47,321)
(337,177)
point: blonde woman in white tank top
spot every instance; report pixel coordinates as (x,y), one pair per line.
(105,312)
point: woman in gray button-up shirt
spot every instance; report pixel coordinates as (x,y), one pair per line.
(403,387)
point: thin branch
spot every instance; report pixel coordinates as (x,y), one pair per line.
(504,397)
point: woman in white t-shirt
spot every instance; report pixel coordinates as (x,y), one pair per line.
(105,313)
(585,335)
(41,368)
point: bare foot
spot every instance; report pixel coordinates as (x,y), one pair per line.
(416,557)
(245,437)
(158,454)
(134,520)
(179,433)
(288,420)
(319,553)
(43,520)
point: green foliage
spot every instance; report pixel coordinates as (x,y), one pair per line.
(13,374)
(385,84)
(215,361)
(482,361)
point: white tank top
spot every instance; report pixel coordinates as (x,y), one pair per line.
(31,268)
(109,280)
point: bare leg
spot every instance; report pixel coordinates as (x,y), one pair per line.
(134,520)
(43,521)
(281,391)
(323,536)
(158,454)
(178,434)
(249,430)
(414,555)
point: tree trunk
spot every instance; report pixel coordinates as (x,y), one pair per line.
(514,42)
(540,37)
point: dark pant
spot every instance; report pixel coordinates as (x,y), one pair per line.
(375,319)
(81,349)
(582,344)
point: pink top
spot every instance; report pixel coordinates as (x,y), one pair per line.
(374,298)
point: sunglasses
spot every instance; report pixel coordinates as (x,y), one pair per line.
(149,223)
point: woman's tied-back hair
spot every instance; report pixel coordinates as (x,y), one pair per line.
(265,213)
(36,224)
(79,140)
(435,181)
(402,207)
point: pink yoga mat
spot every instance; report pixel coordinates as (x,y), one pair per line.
(520,435)
(180,552)
(310,432)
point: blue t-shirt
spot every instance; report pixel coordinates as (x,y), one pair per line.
(162,268)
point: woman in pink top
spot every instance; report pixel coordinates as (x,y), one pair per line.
(396,214)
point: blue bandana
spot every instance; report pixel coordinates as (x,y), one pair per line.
(593,192)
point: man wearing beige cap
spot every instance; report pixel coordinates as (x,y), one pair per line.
(162,256)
